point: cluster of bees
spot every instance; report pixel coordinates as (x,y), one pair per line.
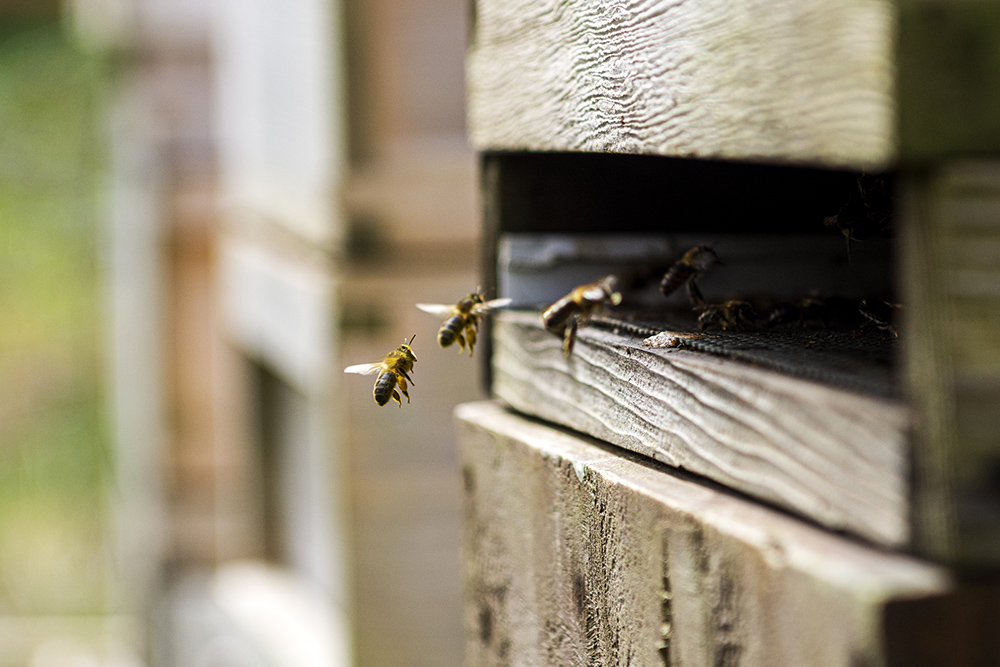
(865,215)
(813,311)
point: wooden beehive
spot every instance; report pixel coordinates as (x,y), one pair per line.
(678,123)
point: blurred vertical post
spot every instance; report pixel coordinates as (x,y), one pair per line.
(222,224)
(305,180)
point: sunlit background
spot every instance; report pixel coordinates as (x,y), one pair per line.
(207,209)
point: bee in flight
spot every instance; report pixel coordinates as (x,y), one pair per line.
(687,270)
(393,370)
(463,319)
(568,313)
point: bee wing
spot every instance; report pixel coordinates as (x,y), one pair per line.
(436,308)
(363,369)
(490,305)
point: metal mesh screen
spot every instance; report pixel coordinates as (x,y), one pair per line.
(838,356)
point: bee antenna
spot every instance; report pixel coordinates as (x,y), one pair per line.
(410,342)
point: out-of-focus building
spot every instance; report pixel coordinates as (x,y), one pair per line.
(287,180)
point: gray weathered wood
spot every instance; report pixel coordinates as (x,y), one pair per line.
(834,455)
(576,554)
(803,81)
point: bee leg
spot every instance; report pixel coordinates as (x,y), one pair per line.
(470,334)
(461,341)
(409,379)
(694,293)
(395,397)
(569,336)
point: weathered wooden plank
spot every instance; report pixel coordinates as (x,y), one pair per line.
(578,554)
(808,82)
(951,270)
(832,454)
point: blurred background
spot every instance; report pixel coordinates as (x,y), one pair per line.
(207,209)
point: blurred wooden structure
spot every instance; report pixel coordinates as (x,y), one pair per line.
(285,191)
(737,125)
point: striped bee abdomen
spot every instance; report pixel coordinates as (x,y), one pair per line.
(675,277)
(450,329)
(385,385)
(556,317)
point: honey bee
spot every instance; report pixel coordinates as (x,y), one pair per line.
(733,314)
(393,370)
(687,270)
(813,312)
(463,319)
(878,314)
(867,213)
(568,313)
(810,312)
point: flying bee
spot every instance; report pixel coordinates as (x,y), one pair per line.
(733,314)
(393,370)
(687,270)
(463,319)
(568,313)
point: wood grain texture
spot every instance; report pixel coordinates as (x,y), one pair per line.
(577,554)
(779,80)
(835,456)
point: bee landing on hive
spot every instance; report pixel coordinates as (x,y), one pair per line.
(568,313)
(686,271)
(463,319)
(392,370)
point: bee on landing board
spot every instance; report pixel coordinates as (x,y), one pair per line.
(878,314)
(568,313)
(687,270)
(463,319)
(733,314)
(393,370)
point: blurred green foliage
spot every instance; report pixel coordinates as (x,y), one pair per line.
(53,445)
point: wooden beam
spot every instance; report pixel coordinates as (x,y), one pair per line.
(836,455)
(948,57)
(579,554)
(951,280)
(765,80)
